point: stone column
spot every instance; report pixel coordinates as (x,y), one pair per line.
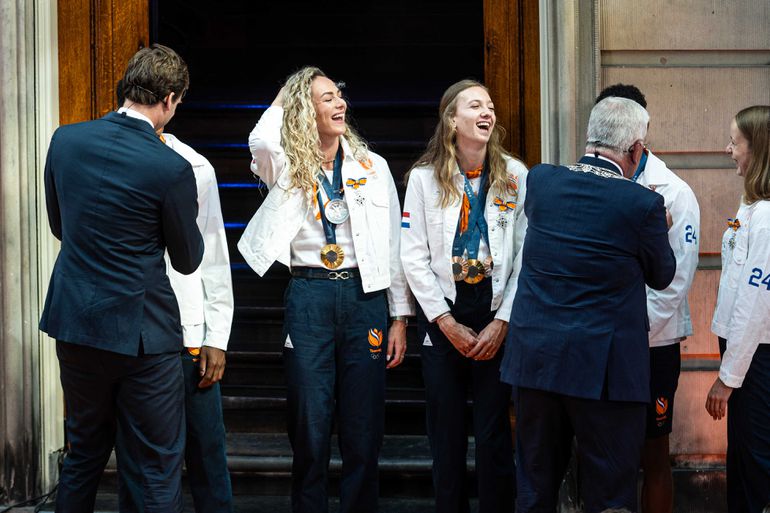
(25,84)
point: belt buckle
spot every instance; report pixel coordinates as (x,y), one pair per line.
(339,275)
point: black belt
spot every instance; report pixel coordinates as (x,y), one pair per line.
(316,273)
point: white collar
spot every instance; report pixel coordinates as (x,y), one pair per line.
(136,115)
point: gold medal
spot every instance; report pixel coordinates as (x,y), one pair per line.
(459,268)
(332,256)
(488,266)
(475,272)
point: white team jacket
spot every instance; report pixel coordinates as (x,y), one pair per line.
(205,297)
(668,309)
(374,216)
(428,232)
(742,313)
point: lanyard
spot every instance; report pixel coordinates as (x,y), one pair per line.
(477,226)
(333,191)
(642,165)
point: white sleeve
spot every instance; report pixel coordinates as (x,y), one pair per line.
(415,253)
(268,157)
(215,266)
(504,311)
(683,236)
(400,300)
(750,323)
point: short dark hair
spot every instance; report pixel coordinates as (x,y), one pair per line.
(623,91)
(152,74)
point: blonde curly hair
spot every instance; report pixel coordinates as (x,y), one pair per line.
(441,152)
(299,133)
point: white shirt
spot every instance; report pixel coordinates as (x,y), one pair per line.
(428,232)
(742,313)
(374,214)
(136,115)
(206,296)
(668,309)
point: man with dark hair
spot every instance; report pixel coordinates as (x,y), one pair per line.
(577,351)
(118,198)
(669,315)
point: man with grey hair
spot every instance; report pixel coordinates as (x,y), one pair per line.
(577,353)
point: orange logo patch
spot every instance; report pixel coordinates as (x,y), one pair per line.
(375,341)
(661,405)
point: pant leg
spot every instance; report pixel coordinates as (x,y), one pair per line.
(89,395)
(543,449)
(130,494)
(610,437)
(150,409)
(310,377)
(362,327)
(495,471)
(205,452)
(445,373)
(748,439)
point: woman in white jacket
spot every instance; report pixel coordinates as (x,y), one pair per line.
(332,215)
(461,234)
(742,320)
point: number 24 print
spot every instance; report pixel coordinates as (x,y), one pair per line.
(756,275)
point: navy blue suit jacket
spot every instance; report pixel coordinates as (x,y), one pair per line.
(579,319)
(117,197)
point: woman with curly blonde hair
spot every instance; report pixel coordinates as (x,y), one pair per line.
(332,216)
(742,319)
(462,231)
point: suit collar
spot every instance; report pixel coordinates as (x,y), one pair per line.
(128,121)
(602,163)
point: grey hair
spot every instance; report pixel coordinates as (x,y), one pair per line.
(616,124)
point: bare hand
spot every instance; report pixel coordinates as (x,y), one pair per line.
(716,402)
(212,366)
(396,344)
(462,337)
(669,219)
(490,340)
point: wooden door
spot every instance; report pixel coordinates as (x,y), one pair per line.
(512,72)
(96,40)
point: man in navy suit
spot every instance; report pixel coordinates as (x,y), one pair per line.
(117,198)
(577,351)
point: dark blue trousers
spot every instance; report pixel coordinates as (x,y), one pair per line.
(205,451)
(450,379)
(609,434)
(334,356)
(141,394)
(748,438)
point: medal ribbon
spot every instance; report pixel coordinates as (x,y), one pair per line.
(642,165)
(469,239)
(333,191)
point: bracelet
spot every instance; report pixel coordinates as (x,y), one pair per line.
(403,318)
(445,314)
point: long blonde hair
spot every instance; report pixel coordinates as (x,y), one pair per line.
(299,134)
(754,125)
(441,152)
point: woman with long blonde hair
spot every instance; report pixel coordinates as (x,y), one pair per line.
(742,319)
(462,230)
(332,216)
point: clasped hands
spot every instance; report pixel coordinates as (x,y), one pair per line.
(477,346)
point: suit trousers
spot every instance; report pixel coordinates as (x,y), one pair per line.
(609,435)
(748,438)
(145,396)
(205,450)
(334,357)
(450,379)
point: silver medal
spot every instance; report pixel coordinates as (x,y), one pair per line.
(336,211)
